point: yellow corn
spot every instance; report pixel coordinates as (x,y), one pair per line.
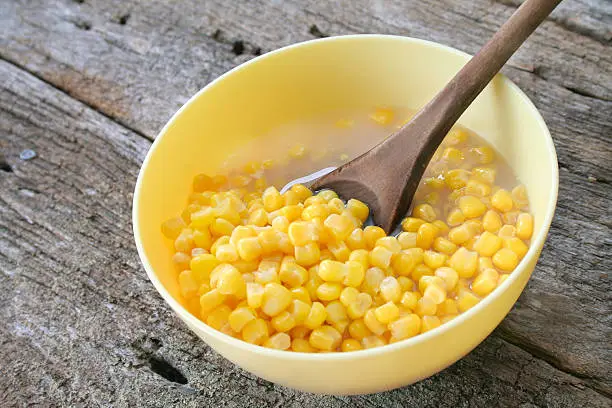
(524,226)
(316,316)
(487,244)
(255,331)
(328,291)
(426,235)
(325,338)
(505,259)
(356,239)
(466,300)
(485,282)
(502,200)
(405,327)
(358,330)
(471,206)
(350,345)
(464,262)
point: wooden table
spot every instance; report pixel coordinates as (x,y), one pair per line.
(87,84)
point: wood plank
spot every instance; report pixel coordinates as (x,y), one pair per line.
(79,319)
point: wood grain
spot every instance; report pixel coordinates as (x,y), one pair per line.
(79,322)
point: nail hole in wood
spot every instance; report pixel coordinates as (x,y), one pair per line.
(166,370)
(238,47)
(314,30)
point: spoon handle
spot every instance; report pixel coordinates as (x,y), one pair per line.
(435,120)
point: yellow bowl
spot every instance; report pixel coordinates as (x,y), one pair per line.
(315,77)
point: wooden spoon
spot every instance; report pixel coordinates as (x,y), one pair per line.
(387,176)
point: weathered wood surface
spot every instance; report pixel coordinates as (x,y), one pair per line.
(86,83)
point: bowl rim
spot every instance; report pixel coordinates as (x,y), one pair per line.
(190,319)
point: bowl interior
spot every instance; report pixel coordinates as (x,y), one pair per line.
(311,78)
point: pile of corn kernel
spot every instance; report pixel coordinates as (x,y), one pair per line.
(298,271)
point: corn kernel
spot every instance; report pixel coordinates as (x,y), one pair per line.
(502,278)
(339,226)
(505,259)
(390,289)
(471,206)
(516,245)
(507,231)
(448,307)
(409,224)
(359,209)
(386,313)
(255,331)
(524,226)
(429,323)
(373,324)
(308,254)
(382,116)
(226,253)
(449,276)
(373,341)
(279,341)
(210,300)
(359,306)
(434,259)
(337,316)
(301,191)
(202,265)
(502,200)
(300,332)
(460,234)
(280,223)
(350,345)
(316,316)
(371,282)
(173,227)
(435,292)
(230,281)
(404,263)
(292,274)
(332,271)
(249,249)
(409,300)
(456,136)
(328,291)
(487,244)
(218,318)
(466,300)
(456,178)
(519,196)
(283,322)
(420,271)
(424,212)
(425,306)
(188,284)
(464,262)
(485,282)
(340,251)
(325,338)
(484,174)
(455,217)
(302,346)
(181,261)
(356,240)
(407,240)
(381,257)
(483,154)
(301,294)
(452,155)
(358,330)
(405,327)
(239,317)
(426,235)
(302,232)
(276,298)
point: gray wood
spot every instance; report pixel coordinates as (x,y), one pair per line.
(79,322)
